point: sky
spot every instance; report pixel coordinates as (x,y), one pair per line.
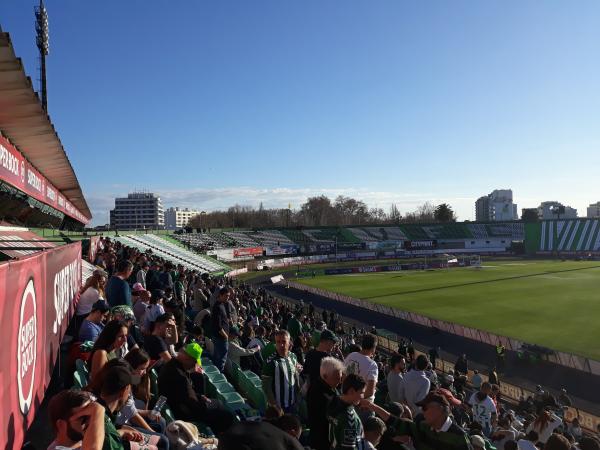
(213,103)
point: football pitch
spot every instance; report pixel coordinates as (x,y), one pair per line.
(551,303)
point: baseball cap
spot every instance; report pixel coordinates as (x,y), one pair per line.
(235,331)
(165,318)
(194,350)
(328,335)
(101,305)
(137,287)
(116,379)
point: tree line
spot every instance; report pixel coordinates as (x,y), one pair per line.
(321,211)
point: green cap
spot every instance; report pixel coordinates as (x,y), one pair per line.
(195,351)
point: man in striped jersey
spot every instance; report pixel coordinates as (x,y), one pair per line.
(281,374)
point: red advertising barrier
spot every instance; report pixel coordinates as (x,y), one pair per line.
(251,251)
(18,172)
(37,295)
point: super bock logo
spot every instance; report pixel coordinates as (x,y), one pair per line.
(27,347)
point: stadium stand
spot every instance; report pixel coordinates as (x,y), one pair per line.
(241,239)
(270,238)
(575,235)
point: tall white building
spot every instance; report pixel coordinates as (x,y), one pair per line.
(496,206)
(555,210)
(593,211)
(139,210)
(176,218)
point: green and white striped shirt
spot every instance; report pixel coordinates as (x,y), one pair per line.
(284,378)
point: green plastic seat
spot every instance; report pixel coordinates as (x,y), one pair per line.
(210,369)
(232,400)
(167,414)
(153,382)
(216,377)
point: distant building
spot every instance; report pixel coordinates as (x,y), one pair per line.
(496,206)
(176,218)
(555,210)
(139,210)
(593,211)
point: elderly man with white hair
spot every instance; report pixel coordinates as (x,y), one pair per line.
(318,398)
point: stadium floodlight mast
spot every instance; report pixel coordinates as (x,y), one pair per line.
(42,42)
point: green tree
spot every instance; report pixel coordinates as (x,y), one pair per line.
(444,213)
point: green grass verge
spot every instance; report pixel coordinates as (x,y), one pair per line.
(551,303)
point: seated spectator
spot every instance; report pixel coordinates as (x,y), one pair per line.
(374,428)
(174,382)
(110,340)
(117,289)
(93,325)
(478,442)
(544,425)
(395,378)
(320,394)
(345,427)
(77,420)
(280,374)
(557,442)
(257,436)
(164,334)
(290,424)
(528,443)
(434,429)
(124,313)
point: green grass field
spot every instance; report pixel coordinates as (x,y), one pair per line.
(551,303)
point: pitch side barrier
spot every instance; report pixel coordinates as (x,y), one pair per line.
(513,392)
(561,358)
(38,294)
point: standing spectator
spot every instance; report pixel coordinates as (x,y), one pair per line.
(564,399)
(92,326)
(236,351)
(280,374)
(78,421)
(294,326)
(320,394)
(493,377)
(174,382)
(220,329)
(312,361)
(91,292)
(140,276)
(361,363)
(415,384)
(117,289)
(462,365)
(345,427)
(395,378)
(434,354)
(154,310)
(484,409)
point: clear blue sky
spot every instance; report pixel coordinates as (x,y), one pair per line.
(215,102)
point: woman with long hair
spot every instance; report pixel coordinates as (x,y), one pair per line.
(112,338)
(544,425)
(90,293)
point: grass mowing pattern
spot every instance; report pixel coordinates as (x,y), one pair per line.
(551,303)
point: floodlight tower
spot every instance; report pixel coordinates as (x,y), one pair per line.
(41,28)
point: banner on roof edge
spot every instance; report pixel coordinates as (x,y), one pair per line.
(18,172)
(37,298)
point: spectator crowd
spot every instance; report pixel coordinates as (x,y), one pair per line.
(146,331)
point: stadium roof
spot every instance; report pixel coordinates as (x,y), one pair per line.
(25,123)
